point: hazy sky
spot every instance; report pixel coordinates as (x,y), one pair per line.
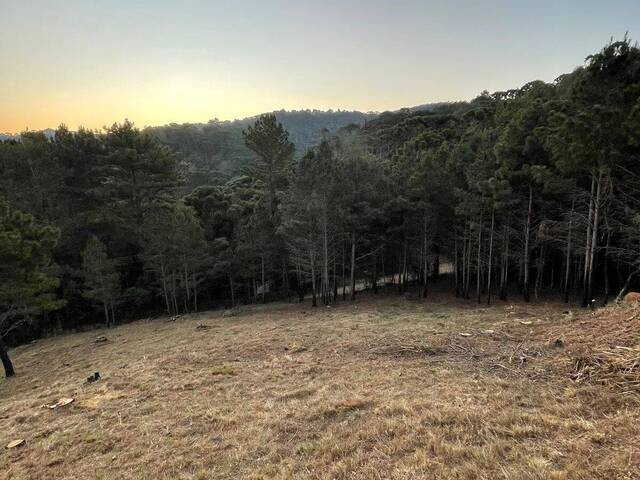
(91,63)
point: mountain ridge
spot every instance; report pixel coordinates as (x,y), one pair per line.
(49,132)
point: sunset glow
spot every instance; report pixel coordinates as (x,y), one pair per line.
(93,63)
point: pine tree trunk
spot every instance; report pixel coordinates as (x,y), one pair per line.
(527,235)
(469,257)
(186,283)
(106,312)
(314,301)
(504,272)
(606,269)
(335,281)
(399,271)
(285,279)
(195,292)
(404,263)
(568,255)
(174,293)
(300,283)
(464,261)
(353,265)
(6,361)
(493,221)
(587,251)
(594,237)
(325,262)
(455,266)
(539,272)
(426,261)
(344,277)
(231,290)
(479,253)
(264,287)
(374,276)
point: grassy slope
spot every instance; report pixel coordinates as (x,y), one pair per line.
(383,388)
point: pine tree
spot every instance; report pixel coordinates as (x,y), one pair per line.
(102,282)
(27,280)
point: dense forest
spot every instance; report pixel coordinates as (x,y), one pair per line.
(526,192)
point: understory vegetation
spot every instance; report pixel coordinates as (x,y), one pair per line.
(525,192)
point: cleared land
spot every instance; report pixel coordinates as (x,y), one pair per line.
(384,388)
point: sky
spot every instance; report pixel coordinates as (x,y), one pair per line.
(92,63)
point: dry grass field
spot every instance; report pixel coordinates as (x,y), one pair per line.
(383,388)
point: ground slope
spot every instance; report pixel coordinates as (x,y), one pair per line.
(383,388)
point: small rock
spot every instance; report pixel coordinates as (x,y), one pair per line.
(100,339)
(93,378)
(488,332)
(526,322)
(463,334)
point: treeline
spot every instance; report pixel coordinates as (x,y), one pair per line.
(524,192)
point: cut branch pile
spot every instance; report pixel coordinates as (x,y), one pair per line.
(618,367)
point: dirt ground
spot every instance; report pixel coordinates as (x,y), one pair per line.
(383,388)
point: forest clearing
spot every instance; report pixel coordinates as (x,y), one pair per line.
(387,387)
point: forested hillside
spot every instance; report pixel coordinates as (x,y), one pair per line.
(527,192)
(215,152)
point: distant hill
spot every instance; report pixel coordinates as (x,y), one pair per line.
(215,151)
(305,126)
(48,132)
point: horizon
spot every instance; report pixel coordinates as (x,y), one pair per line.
(86,64)
(52,128)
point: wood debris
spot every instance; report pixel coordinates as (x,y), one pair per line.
(618,367)
(16,443)
(60,403)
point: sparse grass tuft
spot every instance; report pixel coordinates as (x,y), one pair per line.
(222,370)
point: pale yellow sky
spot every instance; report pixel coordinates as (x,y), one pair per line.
(91,63)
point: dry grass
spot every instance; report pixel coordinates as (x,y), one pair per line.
(380,389)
